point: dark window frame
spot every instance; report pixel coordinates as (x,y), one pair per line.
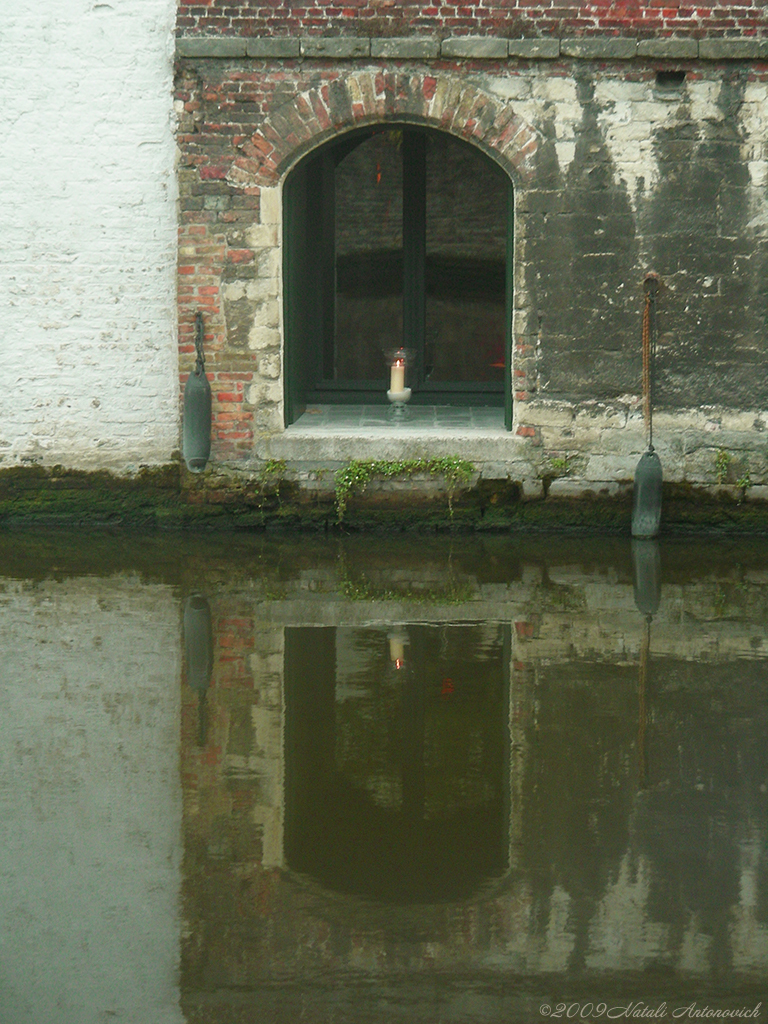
(309,275)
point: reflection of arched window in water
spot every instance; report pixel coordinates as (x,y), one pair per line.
(397,768)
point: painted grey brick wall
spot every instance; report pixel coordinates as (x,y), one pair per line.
(88,376)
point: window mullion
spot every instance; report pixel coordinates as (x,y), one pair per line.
(414,247)
(326,256)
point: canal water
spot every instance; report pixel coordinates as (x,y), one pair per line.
(257,779)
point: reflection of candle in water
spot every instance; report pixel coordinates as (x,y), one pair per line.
(397,377)
(396,649)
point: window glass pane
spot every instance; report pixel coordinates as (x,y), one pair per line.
(465,264)
(369,256)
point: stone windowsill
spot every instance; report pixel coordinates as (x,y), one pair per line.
(330,434)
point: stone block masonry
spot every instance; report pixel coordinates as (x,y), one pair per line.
(88,375)
(616,170)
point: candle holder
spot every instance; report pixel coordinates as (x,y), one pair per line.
(398,394)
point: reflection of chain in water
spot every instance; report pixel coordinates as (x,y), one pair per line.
(198,645)
(645,649)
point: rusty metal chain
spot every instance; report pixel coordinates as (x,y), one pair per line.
(651,286)
(199,353)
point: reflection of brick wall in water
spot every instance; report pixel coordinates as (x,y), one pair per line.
(233,791)
(574,699)
(466,199)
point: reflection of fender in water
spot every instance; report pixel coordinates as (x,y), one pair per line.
(198,648)
(647,586)
(646,564)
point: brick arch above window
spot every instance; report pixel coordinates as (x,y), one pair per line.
(333,105)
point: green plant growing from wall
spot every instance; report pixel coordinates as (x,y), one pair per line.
(270,475)
(359,588)
(723,460)
(725,465)
(356,475)
(559,465)
(719,602)
(355,584)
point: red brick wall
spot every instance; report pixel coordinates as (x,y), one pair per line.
(212,219)
(225,122)
(513,18)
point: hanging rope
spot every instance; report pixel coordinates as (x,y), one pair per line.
(651,286)
(647,365)
(199,336)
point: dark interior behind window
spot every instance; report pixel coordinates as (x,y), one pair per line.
(397,236)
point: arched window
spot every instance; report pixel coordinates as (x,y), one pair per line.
(397,236)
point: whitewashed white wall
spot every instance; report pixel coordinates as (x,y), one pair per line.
(88,361)
(90,802)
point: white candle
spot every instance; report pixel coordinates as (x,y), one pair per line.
(397,376)
(396,650)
